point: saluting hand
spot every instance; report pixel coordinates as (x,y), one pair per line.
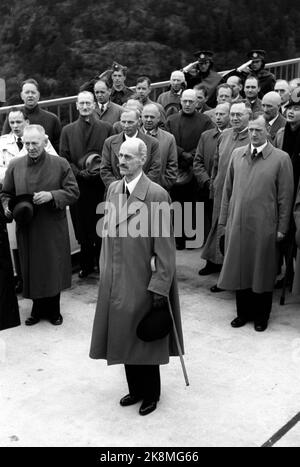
(42,197)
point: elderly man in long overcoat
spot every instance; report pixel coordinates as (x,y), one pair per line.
(129,287)
(230,139)
(256,207)
(43,241)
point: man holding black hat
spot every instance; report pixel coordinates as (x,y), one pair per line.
(202,72)
(131,286)
(42,230)
(79,140)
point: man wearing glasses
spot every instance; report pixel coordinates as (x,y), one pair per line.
(80,140)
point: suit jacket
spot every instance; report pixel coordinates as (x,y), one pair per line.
(279,123)
(204,157)
(168,157)
(111,114)
(109,168)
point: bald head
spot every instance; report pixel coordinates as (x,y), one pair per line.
(132,156)
(150,117)
(270,105)
(188,101)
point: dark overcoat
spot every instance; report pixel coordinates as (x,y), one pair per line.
(126,282)
(256,204)
(44,243)
(9,310)
(78,139)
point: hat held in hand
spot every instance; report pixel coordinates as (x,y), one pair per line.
(22,208)
(157,324)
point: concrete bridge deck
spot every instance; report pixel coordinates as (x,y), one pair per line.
(244,385)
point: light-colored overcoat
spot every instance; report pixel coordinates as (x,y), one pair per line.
(228,141)
(127,282)
(256,204)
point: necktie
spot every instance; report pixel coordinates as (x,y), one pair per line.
(126,191)
(254,154)
(20,143)
(268,126)
(102,108)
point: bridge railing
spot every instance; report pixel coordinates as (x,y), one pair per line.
(65,108)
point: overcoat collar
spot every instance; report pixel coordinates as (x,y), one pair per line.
(135,202)
(266,152)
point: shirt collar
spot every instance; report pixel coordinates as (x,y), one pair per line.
(273,120)
(128,137)
(152,132)
(259,149)
(131,185)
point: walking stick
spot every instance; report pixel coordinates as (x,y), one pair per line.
(153,269)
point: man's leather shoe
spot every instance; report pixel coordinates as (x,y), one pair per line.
(215,289)
(129,400)
(238,322)
(31,321)
(210,268)
(260,327)
(83,273)
(57,322)
(147,407)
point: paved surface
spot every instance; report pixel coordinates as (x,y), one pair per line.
(244,385)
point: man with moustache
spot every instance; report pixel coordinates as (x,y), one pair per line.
(129,288)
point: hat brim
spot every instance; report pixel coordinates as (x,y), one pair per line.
(157,324)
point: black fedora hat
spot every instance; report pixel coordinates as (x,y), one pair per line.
(22,208)
(157,324)
(92,163)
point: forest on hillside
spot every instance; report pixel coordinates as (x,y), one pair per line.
(63,43)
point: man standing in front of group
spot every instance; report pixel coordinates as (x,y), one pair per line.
(256,207)
(130,286)
(43,240)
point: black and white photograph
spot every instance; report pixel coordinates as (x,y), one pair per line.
(149,226)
